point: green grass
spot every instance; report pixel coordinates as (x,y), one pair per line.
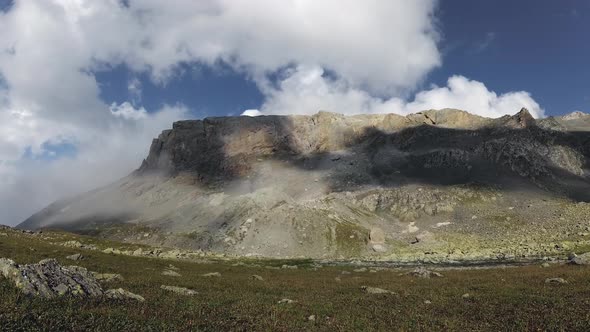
(501,299)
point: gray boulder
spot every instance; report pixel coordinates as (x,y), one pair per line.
(555,281)
(49,279)
(583,259)
(75,257)
(179,290)
(375,290)
(422,272)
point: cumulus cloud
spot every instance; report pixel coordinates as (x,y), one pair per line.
(102,156)
(305,90)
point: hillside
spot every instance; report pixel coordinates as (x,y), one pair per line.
(440,185)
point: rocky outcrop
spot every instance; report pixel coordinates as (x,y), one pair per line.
(49,279)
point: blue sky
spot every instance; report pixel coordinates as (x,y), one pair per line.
(540,46)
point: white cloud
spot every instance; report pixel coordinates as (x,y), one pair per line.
(126,111)
(251,113)
(305,90)
(103,156)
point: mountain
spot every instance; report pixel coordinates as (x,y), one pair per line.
(435,185)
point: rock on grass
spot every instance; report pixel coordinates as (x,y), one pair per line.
(375,290)
(212,274)
(179,290)
(49,279)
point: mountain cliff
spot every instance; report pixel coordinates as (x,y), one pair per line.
(439,184)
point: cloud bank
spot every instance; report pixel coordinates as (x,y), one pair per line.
(304,55)
(305,90)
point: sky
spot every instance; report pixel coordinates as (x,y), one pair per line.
(86,84)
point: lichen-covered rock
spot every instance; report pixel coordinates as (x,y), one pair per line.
(49,279)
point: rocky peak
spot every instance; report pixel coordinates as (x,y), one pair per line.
(575,115)
(522,119)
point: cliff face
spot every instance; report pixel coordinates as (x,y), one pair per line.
(221,149)
(324,185)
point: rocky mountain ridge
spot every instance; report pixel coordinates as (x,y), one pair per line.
(328,185)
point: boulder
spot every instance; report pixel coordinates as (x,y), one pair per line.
(49,279)
(212,274)
(286,301)
(256,277)
(555,281)
(179,290)
(170,273)
(377,235)
(75,257)
(375,290)
(583,259)
(422,272)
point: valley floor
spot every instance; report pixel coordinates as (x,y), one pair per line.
(324,297)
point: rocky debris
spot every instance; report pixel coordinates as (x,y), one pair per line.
(375,290)
(170,273)
(422,272)
(78,245)
(107,277)
(555,281)
(75,257)
(121,294)
(49,279)
(256,277)
(311,318)
(72,244)
(211,275)
(427,302)
(286,301)
(360,270)
(179,290)
(545,264)
(583,259)
(289,267)
(112,251)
